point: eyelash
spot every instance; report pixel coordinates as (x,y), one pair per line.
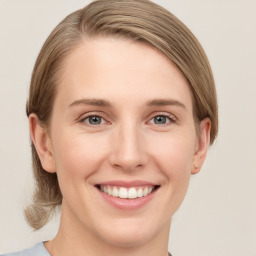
(171,119)
(83,120)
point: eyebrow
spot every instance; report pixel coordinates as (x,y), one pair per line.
(165,102)
(150,103)
(92,102)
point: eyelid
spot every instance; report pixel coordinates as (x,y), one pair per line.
(93,113)
(173,118)
(81,118)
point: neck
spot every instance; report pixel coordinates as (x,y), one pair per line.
(75,239)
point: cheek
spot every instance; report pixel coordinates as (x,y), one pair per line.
(77,156)
(176,166)
(174,157)
(174,154)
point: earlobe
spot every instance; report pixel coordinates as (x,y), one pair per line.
(42,143)
(203,142)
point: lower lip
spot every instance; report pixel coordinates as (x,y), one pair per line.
(128,204)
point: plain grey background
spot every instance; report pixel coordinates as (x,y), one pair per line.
(218,216)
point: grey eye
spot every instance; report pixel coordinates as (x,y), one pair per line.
(160,119)
(93,120)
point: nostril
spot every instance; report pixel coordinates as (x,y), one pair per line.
(128,166)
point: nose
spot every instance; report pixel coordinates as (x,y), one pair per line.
(128,148)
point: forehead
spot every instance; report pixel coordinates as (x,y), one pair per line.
(120,68)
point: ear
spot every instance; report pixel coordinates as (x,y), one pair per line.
(42,143)
(202,145)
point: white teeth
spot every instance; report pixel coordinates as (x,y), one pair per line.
(145,192)
(115,192)
(109,191)
(123,193)
(140,193)
(130,193)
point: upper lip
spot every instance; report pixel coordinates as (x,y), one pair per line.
(127,184)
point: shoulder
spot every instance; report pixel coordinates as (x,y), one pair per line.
(37,250)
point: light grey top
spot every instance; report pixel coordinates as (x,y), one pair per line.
(37,250)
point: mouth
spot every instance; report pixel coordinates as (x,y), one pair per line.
(127,192)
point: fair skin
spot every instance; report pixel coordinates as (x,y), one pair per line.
(122,117)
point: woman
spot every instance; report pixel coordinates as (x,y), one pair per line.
(122,109)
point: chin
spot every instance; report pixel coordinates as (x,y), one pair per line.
(130,238)
(132,232)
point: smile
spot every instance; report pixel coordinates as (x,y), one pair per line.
(127,193)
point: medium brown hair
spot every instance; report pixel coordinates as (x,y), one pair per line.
(138,20)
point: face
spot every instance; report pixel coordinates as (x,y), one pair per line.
(122,140)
